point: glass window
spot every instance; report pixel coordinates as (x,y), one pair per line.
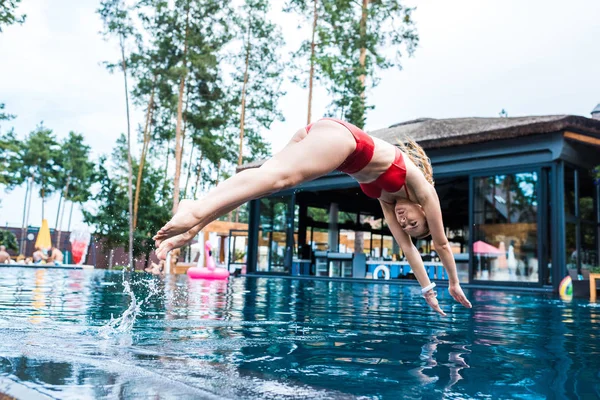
(588,223)
(581,222)
(589,255)
(272,234)
(505,244)
(571,248)
(569,192)
(454,200)
(547,229)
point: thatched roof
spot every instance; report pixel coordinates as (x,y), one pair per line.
(437,133)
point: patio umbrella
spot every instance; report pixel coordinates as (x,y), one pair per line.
(43,237)
(481,247)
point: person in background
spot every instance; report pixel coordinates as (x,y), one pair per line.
(55,256)
(156,269)
(39,256)
(4,256)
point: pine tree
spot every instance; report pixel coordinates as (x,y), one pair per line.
(75,177)
(39,160)
(117,22)
(359,35)
(201,29)
(109,216)
(258,72)
(312,12)
(353,40)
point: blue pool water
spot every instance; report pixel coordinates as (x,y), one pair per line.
(285,339)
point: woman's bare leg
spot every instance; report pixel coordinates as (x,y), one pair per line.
(185,204)
(319,153)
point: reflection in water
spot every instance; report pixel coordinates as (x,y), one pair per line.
(38,298)
(456,361)
(82,334)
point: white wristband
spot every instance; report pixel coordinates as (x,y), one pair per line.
(427,288)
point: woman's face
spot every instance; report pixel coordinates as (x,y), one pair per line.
(411,218)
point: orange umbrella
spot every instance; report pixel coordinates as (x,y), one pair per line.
(43,240)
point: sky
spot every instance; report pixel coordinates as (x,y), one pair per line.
(475,58)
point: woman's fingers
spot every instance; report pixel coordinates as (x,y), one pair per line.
(464,301)
(431,299)
(457,293)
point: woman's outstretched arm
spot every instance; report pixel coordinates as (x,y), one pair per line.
(319,153)
(410,251)
(428,199)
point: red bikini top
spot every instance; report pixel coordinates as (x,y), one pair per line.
(392,180)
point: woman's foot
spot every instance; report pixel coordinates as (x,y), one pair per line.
(183,220)
(176,242)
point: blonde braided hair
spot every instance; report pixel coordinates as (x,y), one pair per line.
(417,155)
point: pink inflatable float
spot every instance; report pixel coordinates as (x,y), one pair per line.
(210,271)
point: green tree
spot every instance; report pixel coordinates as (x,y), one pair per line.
(199,31)
(11,163)
(109,214)
(362,34)
(11,166)
(177,71)
(40,159)
(76,176)
(258,72)
(117,22)
(145,66)
(308,48)
(354,41)
(152,214)
(9,240)
(7,13)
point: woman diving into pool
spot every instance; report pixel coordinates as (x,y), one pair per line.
(399,177)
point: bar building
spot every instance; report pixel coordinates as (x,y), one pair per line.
(518,197)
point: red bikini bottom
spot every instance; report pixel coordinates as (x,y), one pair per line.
(392,180)
(363,153)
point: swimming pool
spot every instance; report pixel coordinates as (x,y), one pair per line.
(280,338)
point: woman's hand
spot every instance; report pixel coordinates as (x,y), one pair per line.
(458,294)
(455,291)
(431,299)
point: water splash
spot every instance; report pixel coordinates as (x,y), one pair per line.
(124,323)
